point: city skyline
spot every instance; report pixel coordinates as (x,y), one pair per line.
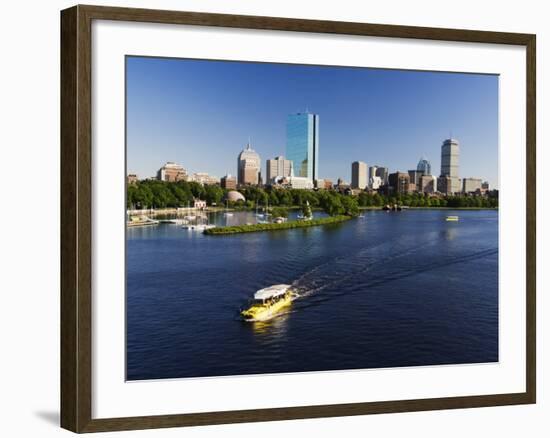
(156,117)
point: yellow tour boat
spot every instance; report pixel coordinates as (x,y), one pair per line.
(451,218)
(268,302)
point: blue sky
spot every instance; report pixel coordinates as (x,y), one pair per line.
(201,114)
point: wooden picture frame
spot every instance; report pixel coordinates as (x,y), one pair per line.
(76,217)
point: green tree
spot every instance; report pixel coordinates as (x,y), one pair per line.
(279,212)
(349,203)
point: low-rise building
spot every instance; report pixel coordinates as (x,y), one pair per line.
(299,182)
(448,185)
(415,175)
(323,184)
(172,172)
(276,167)
(427,184)
(399,181)
(204,178)
(228,182)
(132,178)
(471,185)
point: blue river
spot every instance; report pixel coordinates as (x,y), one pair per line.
(391,289)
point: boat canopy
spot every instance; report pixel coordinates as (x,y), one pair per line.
(271,291)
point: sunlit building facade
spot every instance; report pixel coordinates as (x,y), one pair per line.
(172,172)
(249,166)
(302,144)
(278,166)
(359,175)
(450,152)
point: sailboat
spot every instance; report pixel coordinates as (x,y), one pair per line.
(258,214)
(227,212)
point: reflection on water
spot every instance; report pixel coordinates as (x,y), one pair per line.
(392,289)
(276,326)
(450,233)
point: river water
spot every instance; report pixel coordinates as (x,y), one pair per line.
(387,290)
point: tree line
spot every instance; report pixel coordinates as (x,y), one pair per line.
(160,194)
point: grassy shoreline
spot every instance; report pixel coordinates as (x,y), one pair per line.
(433,208)
(218,231)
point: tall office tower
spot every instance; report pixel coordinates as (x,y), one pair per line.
(248,165)
(449,166)
(383,173)
(424,167)
(302,144)
(278,166)
(359,177)
(372,174)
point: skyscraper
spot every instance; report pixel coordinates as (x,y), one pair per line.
(359,177)
(449,166)
(383,173)
(248,165)
(424,167)
(302,144)
(277,166)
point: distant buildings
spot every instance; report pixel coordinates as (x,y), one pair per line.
(277,167)
(228,182)
(203,178)
(299,169)
(172,172)
(249,166)
(342,185)
(375,183)
(383,173)
(450,181)
(132,178)
(471,185)
(323,184)
(302,144)
(444,185)
(359,176)
(415,175)
(424,167)
(400,182)
(427,184)
(300,182)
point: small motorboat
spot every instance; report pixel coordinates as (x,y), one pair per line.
(268,302)
(451,218)
(198,227)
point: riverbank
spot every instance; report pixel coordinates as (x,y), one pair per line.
(270,227)
(432,208)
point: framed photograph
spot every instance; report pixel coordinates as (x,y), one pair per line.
(271,218)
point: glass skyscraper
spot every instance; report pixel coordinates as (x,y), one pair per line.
(424,166)
(302,144)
